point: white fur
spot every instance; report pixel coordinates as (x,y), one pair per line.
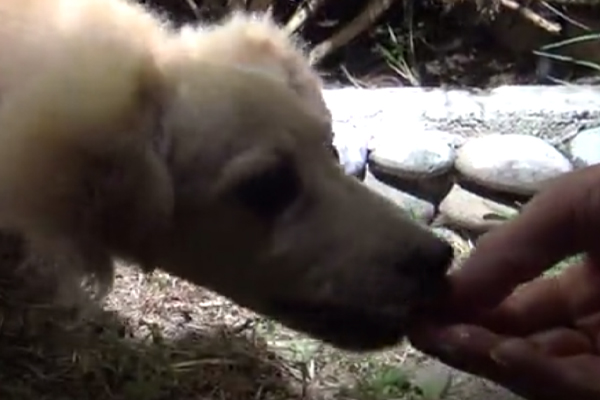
(87,90)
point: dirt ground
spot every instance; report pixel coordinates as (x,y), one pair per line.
(464,65)
(157,337)
(454,61)
(455,49)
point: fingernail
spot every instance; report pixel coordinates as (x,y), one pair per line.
(447,350)
(457,334)
(498,357)
(449,341)
(502,353)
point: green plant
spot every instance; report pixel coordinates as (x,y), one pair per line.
(382,383)
(398,49)
(544,51)
(387,382)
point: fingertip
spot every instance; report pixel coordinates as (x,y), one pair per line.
(455,341)
(521,367)
(548,229)
(513,352)
(497,266)
(562,342)
(520,354)
(477,283)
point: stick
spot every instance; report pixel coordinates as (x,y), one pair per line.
(303,12)
(361,23)
(531,16)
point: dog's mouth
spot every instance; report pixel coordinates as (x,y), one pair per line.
(346,327)
(362,327)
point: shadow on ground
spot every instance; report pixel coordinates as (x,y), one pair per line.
(158,337)
(103,359)
(122,349)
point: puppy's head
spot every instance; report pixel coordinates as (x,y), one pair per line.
(265,216)
(257,42)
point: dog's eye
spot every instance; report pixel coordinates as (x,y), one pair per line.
(271,191)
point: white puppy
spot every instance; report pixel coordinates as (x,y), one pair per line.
(121,137)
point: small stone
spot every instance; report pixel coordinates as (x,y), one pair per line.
(464,209)
(418,209)
(584,149)
(452,237)
(352,146)
(433,380)
(414,156)
(514,163)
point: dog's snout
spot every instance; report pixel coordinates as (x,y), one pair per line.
(431,261)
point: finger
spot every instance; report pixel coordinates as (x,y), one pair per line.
(534,307)
(467,342)
(590,326)
(556,223)
(532,374)
(582,371)
(466,347)
(527,372)
(525,367)
(471,349)
(561,342)
(548,302)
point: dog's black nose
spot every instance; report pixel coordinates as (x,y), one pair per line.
(431,261)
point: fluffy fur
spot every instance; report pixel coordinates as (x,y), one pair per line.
(206,152)
(256,42)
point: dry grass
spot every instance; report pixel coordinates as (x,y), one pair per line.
(158,337)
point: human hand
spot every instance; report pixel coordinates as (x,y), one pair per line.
(542,339)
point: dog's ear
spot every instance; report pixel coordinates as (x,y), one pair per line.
(78,159)
(140,197)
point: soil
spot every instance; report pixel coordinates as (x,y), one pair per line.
(466,65)
(158,337)
(448,53)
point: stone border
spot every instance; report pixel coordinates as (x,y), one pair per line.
(464,160)
(544,111)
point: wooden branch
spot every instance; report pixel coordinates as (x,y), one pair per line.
(303,12)
(361,23)
(531,16)
(194,7)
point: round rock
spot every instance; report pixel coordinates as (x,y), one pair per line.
(418,209)
(414,156)
(469,211)
(513,163)
(584,149)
